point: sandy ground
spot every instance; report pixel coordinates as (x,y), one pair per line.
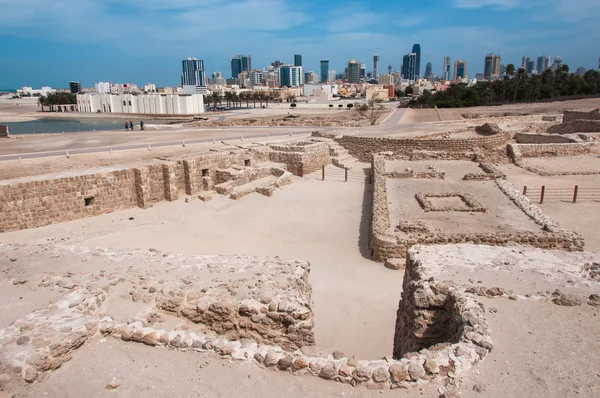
(582,216)
(566,164)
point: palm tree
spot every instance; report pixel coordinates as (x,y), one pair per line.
(228,97)
(261,97)
(521,74)
(208,99)
(216,98)
(509,72)
(254,96)
(42,101)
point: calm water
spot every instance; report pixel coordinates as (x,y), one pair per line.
(68,126)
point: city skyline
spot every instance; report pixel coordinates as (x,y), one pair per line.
(169,33)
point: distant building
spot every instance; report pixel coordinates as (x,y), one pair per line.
(290,76)
(428,71)
(103,87)
(524,62)
(363,71)
(386,79)
(530,67)
(193,77)
(390,69)
(460,70)
(239,64)
(446,70)
(44,91)
(580,71)
(409,65)
(297,60)
(150,88)
(491,69)
(353,74)
(74,87)
(417,51)
(540,64)
(557,64)
(255,78)
(375,66)
(276,64)
(310,78)
(151,104)
(324,70)
(332,76)
(216,75)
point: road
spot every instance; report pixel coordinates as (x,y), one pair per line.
(394,117)
(57,153)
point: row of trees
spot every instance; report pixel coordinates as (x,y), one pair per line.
(53,99)
(516,86)
(236,100)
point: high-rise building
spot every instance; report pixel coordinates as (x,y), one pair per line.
(446,71)
(460,70)
(75,87)
(103,87)
(297,60)
(390,69)
(193,73)
(255,78)
(332,76)
(524,62)
(375,66)
(557,64)
(580,71)
(276,64)
(240,63)
(409,66)
(353,72)
(386,79)
(428,70)
(491,68)
(363,71)
(529,68)
(539,66)
(417,51)
(324,70)
(548,62)
(217,75)
(310,77)
(290,76)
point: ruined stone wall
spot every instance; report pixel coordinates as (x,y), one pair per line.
(364,147)
(4,131)
(519,151)
(387,242)
(575,126)
(31,204)
(301,158)
(569,116)
(523,138)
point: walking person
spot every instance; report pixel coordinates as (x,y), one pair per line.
(141,125)
(126,126)
(131,125)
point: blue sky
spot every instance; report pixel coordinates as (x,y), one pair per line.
(50,42)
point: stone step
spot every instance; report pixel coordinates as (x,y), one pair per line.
(338,151)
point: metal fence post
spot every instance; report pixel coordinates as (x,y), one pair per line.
(346,174)
(575,193)
(323,176)
(525,190)
(542,194)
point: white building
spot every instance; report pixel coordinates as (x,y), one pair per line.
(29,91)
(255,78)
(331,76)
(147,104)
(150,88)
(386,79)
(103,87)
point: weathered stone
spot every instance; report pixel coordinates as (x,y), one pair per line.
(363,373)
(299,364)
(338,355)
(328,371)
(150,339)
(594,300)
(352,361)
(567,300)
(346,371)
(285,363)
(395,263)
(29,374)
(114,383)
(380,375)
(431,366)
(416,370)
(398,373)
(371,385)
(271,359)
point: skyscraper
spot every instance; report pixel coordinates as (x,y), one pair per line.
(530,66)
(324,70)
(290,76)
(580,71)
(409,66)
(239,64)
(375,66)
(524,62)
(297,60)
(75,87)
(193,73)
(417,51)
(491,68)
(446,71)
(460,70)
(332,76)
(363,71)
(390,69)
(540,64)
(428,70)
(353,74)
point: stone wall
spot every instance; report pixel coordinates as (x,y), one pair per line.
(4,131)
(387,242)
(302,157)
(34,202)
(518,151)
(523,138)
(569,116)
(575,126)
(364,147)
